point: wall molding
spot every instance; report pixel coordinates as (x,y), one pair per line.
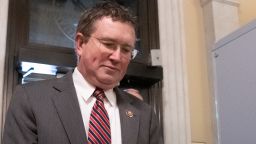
(227,2)
(220,19)
(176,114)
(3,37)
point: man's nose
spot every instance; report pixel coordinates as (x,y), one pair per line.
(116,54)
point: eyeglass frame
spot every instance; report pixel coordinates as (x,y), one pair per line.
(108,43)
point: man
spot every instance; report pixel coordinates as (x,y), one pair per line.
(86,106)
(134,92)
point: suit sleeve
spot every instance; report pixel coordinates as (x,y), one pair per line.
(20,123)
(155,133)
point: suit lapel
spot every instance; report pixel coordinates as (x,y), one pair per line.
(129,118)
(67,107)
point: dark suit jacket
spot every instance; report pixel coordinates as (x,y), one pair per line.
(48,112)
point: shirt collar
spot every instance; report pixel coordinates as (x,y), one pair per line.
(86,90)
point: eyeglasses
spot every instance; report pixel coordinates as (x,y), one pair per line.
(127,51)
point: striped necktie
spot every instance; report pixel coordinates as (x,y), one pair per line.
(99,125)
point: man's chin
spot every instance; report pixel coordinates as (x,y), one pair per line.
(107,84)
(110,80)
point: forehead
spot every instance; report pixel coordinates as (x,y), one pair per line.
(114,19)
(107,27)
(108,22)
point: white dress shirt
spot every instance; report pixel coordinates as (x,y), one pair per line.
(84,92)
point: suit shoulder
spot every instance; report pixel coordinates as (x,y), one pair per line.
(47,82)
(44,87)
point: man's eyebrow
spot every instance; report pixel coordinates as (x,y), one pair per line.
(106,39)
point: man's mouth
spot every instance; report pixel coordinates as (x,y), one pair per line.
(112,68)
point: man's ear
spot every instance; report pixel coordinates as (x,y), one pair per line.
(79,41)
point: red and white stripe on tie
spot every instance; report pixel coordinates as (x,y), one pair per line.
(99,125)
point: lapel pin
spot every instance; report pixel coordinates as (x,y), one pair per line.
(129,113)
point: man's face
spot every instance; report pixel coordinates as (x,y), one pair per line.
(105,56)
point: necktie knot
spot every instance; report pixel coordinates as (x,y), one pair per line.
(99,94)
